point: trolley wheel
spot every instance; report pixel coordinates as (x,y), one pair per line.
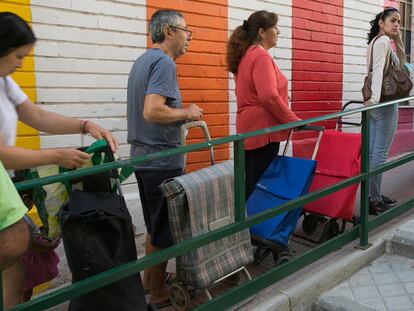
(179,296)
(261,253)
(310,224)
(275,257)
(284,257)
(355,220)
(330,230)
(233,279)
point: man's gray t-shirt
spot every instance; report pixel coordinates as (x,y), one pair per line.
(153,73)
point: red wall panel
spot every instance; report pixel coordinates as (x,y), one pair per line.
(317,57)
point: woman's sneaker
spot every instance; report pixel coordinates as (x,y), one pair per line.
(376,208)
(388,200)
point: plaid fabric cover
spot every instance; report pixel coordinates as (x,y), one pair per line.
(194,201)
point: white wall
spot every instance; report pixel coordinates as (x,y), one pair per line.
(82,59)
(357,15)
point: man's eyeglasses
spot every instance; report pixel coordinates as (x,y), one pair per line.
(188,32)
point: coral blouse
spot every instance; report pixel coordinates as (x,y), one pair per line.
(262,97)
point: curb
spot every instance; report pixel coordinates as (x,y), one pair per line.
(402,241)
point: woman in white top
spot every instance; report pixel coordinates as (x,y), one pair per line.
(383,121)
(16,42)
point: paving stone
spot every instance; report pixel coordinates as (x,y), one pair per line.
(361,280)
(398,303)
(365,292)
(373,303)
(344,292)
(403,266)
(362,272)
(379,267)
(405,277)
(392,289)
(384,278)
(409,287)
(338,303)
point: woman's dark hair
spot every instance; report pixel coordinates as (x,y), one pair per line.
(14,33)
(375,29)
(245,35)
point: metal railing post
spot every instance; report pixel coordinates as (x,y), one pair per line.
(364,231)
(239,177)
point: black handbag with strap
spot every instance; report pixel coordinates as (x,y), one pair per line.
(98,235)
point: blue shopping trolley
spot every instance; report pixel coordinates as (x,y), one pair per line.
(286,178)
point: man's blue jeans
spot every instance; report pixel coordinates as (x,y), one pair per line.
(383,124)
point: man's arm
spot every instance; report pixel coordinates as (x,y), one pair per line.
(14,241)
(156,110)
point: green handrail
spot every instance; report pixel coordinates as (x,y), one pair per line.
(246,289)
(194,147)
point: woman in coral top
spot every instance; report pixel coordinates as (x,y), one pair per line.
(261,91)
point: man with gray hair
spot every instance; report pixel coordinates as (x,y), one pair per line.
(155,115)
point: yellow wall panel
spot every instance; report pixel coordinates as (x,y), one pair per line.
(26,137)
(17,1)
(25,79)
(29,142)
(22,10)
(28,64)
(25,130)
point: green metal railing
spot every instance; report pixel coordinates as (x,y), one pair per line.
(241,292)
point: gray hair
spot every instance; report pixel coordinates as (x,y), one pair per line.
(159,20)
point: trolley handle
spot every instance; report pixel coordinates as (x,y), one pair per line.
(316,128)
(343,109)
(101,146)
(196,124)
(352,102)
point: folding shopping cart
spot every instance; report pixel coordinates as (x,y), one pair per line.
(285,179)
(338,158)
(199,202)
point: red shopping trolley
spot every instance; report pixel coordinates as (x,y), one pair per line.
(338,158)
